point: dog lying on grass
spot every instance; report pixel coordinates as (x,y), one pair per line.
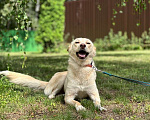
(77,82)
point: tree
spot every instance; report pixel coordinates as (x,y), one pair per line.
(51,24)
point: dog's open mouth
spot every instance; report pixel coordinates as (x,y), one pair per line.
(82,54)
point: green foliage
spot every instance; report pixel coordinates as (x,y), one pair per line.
(14,12)
(13,16)
(51,24)
(146,39)
(139,6)
(120,41)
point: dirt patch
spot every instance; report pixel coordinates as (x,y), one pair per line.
(130,111)
(137,111)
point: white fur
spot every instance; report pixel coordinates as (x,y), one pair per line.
(6,73)
(80,80)
(24,80)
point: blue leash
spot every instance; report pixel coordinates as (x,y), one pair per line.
(127,79)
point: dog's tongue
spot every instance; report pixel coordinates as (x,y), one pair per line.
(81,55)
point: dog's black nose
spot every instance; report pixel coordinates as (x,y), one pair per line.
(82,46)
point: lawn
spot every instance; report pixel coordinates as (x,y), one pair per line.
(123,100)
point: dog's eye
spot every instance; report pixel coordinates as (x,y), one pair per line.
(88,43)
(77,42)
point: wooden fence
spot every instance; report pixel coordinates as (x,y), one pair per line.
(94,18)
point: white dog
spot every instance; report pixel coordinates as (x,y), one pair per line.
(77,82)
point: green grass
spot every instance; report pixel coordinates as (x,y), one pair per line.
(123,100)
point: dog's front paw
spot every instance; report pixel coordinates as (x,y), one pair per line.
(102,109)
(80,108)
(51,96)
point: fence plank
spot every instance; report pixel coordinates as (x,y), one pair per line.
(85,19)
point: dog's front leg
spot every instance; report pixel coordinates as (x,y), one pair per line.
(69,99)
(94,95)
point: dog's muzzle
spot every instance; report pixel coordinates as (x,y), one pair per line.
(82,54)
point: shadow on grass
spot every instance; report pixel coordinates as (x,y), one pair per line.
(44,67)
(113,87)
(39,67)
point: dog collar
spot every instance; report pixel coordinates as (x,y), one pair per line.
(89,65)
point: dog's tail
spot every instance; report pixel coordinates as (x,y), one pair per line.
(24,80)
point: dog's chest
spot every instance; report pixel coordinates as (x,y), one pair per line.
(82,75)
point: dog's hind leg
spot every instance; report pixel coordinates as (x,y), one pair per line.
(55,84)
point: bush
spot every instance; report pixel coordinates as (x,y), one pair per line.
(120,41)
(51,24)
(132,47)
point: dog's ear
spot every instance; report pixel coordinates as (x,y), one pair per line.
(68,48)
(93,51)
(95,48)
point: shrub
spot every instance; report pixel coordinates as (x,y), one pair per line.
(51,24)
(132,47)
(120,41)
